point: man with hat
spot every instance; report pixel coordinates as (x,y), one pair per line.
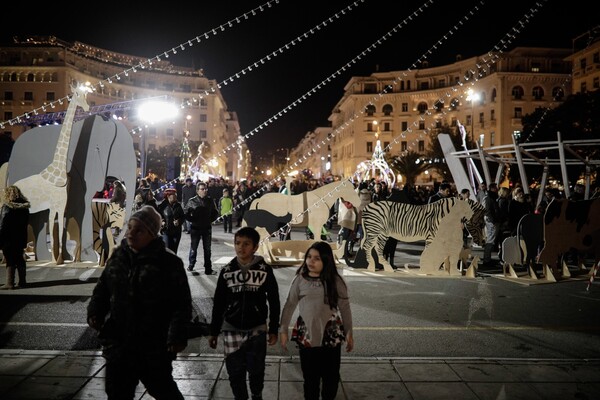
(173,217)
(141,308)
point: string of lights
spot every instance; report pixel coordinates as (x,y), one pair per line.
(148,63)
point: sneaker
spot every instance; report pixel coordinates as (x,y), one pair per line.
(190,268)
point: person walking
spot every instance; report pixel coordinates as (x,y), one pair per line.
(173,217)
(187,192)
(241,313)
(14,218)
(490,203)
(226,209)
(201,211)
(324,321)
(141,307)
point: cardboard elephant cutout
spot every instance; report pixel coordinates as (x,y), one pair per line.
(97,148)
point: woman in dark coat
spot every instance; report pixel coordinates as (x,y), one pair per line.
(14,218)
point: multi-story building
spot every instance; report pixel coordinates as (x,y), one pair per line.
(403,106)
(36,74)
(586,61)
(316,143)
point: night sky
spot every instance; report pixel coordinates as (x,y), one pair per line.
(263,92)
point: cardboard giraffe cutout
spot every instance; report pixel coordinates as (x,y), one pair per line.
(48,189)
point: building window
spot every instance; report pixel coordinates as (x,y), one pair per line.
(538,93)
(494,94)
(421,125)
(386,145)
(30,78)
(583,63)
(404,126)
(386,127)
(583,87)
(558,93)
(203,118)
(8,115)
(422,108)
(481,140)
(202,134)
(170,133)
(454,104)
(518,112)
(535,67)
(387,110)
(152,132)
(370,88)
(8,96)
(203,102)
(481,118)
(493,115)
(424,85)
(492,138)
(369,127)
(421,146)
(596,57)
(404,145)
(50,96)
(370,110)
(517,93)
(28,96)
(369,147)
(442,83)
(404,107)
(596,82)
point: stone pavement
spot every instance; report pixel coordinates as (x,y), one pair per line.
(80,375)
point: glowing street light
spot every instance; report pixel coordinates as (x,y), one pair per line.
(152,112)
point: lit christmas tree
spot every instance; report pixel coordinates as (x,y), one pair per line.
(377,167)
(186,156)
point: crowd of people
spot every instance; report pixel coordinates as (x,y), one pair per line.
(142,308)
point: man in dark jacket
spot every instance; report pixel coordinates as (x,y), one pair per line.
(201,211)
(142,308)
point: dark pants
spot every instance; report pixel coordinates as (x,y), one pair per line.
(320,364)
(124,371)
(206,235)
(172,240)
(15,257)
(250,359)
(227,222)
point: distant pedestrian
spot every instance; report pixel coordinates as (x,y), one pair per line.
(324,321)
(444,191)
(173,217)
(244,287)
(226,209)
(14,218)
(141,308)
(187,192)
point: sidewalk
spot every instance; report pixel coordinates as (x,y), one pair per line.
(79,375)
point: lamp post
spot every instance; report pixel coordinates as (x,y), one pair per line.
(472,97)
(152,112)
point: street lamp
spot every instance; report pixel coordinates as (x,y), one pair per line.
(152,112)
(472,97)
